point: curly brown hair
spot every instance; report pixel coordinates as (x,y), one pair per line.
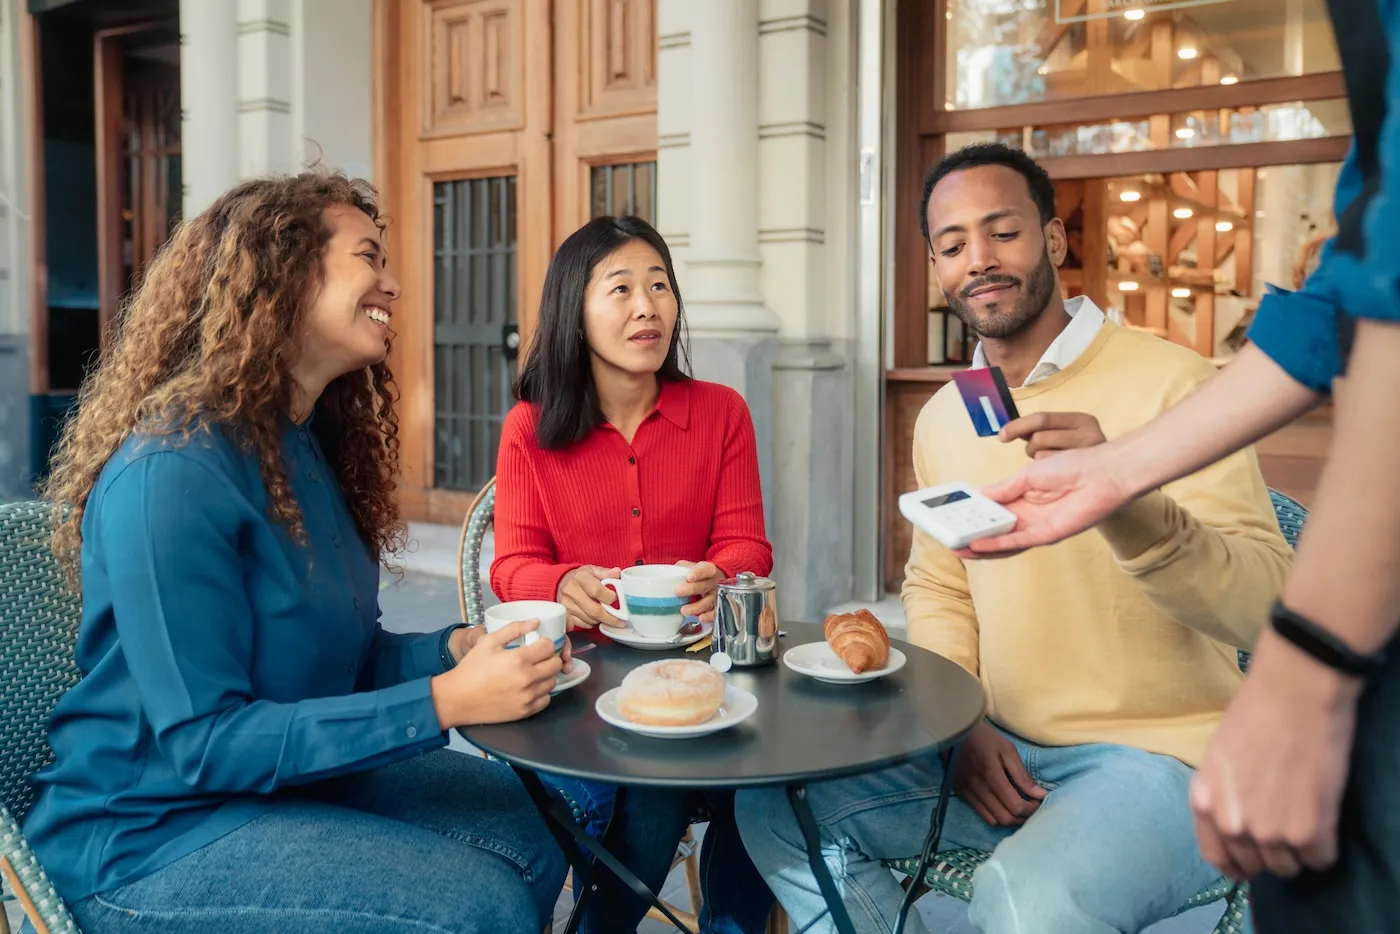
(209,339)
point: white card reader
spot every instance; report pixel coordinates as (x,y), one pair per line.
(955,514)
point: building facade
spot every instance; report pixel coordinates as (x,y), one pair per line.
(779,147)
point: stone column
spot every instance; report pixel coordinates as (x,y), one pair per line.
(331,87)
(264,88)
(724,260)
(208,100)
(734,336)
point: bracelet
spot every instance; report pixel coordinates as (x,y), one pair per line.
(1323,645)
(444,652)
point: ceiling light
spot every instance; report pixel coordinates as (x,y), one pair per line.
(1130,196)
(1042,70)
(1127,285)
(1181,293)
(1230,79)
(1182,213)
(1185,133)
(1134,15)
(1224,226)
(1186,51)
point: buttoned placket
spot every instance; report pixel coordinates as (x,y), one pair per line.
(633,487)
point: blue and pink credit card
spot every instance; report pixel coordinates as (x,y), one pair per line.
(988,400)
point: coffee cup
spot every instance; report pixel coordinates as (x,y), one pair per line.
(552,617)
(646,597)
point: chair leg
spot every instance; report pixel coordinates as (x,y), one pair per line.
(778,921)
(692,873)
(4,918)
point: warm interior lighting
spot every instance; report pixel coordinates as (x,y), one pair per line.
(1185,133)
(1186,52)
(1134,15)
(1182,213)
(1224,226)
(1130,196)
(1230,79)
(1127,285)
(1181,293)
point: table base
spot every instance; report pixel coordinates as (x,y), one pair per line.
(574,840)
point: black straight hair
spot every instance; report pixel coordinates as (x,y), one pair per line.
(557,376)
(979,154)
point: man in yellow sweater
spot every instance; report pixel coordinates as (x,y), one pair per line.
(1107,660)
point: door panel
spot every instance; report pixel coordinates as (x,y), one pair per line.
(494,118)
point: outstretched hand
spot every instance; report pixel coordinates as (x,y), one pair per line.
(1053,499)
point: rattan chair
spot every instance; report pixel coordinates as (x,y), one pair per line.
(951,872)
(39,619)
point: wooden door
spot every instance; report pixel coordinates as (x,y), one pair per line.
(496,119)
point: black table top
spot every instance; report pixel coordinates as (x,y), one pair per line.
(803,731)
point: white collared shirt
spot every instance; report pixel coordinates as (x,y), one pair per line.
(1085,319)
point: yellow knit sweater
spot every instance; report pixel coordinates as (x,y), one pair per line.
(1126,633)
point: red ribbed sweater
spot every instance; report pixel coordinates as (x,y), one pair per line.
(685,489)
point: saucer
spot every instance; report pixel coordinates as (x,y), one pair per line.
(573,679)
(630,637)
(817,660)
(738,705)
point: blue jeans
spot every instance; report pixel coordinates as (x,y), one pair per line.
(643,836)
(1112,848)
(444,842)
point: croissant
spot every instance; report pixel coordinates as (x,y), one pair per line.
(858,639)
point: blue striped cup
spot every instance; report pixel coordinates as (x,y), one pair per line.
(552,617)
(647,599)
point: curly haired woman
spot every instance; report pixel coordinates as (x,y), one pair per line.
(248,750)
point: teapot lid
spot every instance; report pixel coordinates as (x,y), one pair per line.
(748,581)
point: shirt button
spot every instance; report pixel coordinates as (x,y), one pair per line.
(336,541)
(311,475)
(350,670)
(636,511)
(632,461)
(357,603)
(411,732)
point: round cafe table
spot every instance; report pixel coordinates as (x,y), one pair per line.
(803,731)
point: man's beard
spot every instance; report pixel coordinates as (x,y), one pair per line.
(1031,301)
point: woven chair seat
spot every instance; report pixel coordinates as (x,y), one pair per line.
(951,874)
(39,619)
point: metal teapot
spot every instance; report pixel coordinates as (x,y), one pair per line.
(746,620)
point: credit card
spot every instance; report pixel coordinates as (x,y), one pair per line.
(987,398)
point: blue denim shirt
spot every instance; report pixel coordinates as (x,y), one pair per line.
(1299,330)
(221,660)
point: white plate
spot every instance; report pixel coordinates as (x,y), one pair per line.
(574,678)
(631,638)
(817,660)
(738,705)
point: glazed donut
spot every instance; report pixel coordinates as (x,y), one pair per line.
(672,692)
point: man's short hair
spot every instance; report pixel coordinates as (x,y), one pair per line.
(970,157)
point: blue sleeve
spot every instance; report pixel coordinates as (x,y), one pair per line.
(186,628)
(396,657)
(1298,330)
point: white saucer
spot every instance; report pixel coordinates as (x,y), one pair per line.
(738,705)
(573,679)
(817,660)
(631,638)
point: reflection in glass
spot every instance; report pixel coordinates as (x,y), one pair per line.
(1019,51)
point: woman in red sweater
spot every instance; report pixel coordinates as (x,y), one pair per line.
(615,457)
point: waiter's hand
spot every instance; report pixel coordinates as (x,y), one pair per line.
(1269,790)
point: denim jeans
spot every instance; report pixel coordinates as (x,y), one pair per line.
(643,836)
(1112,847)
(444,842)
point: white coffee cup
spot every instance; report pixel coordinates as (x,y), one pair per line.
(646,596)
(552,617)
